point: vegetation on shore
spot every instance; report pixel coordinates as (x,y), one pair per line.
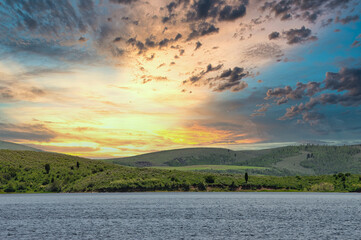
(28,171)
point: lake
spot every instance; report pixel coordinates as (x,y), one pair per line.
(181,216)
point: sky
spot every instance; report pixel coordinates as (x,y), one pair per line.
(114,78)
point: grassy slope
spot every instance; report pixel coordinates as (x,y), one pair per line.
(189,156)
(283,161)
(24,171)
(172,157)
(210,167)
(294,164)
(15,146)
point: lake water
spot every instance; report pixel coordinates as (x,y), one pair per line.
(181,216)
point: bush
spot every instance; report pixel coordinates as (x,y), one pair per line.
(210,179)
(54,187)
(356,188)
(10,188)
(186,186)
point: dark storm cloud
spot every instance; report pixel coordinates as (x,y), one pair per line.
(233,86)
(346,84)
(150,42)
(210,68)
(309,10)
(229,13)
(283,94)
(278,92)
(202,29)
(300,35)
(230,79)
(171,7)
(198,45)
(202,9)
(163,43)
(199,76)
(348,80)
(273,35)
(216,9)
(123,1)
(347,19)
(179,36)
(138,44)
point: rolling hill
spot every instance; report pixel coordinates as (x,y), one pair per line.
(29,171)
(15,146)
(284,161)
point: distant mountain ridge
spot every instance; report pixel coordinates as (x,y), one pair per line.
(291,160)
(15,146)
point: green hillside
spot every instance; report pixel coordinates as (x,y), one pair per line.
(15,146)
(284,161)
(189,156)
(27,171)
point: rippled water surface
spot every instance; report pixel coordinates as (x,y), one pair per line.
(181,216)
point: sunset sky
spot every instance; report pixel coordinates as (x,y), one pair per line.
(109,78)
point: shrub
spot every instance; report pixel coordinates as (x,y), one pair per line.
(54,187)
(356,188)
(210,179)
(186,186)
(9,188)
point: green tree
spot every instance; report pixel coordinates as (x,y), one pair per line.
(47,168)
